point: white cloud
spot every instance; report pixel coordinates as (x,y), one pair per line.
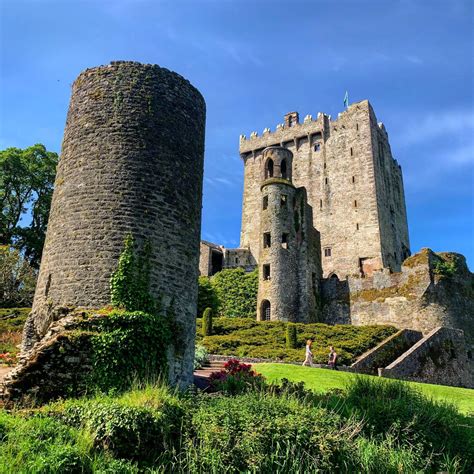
(457,123)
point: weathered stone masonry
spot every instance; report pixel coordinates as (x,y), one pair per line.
(354,187)
(131,162)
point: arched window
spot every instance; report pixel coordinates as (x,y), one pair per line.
(265,310)
(269,169)
(283,168)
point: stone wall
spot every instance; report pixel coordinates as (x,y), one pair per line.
(420,297)
(440,358)
(386,352)
(354,187)
(131,162)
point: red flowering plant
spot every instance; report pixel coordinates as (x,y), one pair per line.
(7,358)
(236,377)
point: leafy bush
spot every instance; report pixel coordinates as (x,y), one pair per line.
(128,346)
(143,424)
(235,378)
(243,337)
(201,356)
(291,342)
(207,297)
(236,292)
(207,322)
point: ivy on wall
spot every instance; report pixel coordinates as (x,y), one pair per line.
(130,283)
(231,293)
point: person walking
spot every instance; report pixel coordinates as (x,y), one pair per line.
(332,362)
(309,355)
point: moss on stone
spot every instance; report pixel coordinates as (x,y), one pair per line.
(276,181)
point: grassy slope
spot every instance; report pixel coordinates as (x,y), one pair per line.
(321,380)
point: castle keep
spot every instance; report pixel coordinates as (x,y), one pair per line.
(353,184)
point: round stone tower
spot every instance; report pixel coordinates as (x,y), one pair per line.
(131,162)
(278,289)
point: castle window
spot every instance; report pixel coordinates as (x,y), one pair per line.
(317,146)
(265,202)
(267,240)
(326,180)
(357,226)
(327,252)
(283,168)
(284,240)
(283,200)
(352,152)
(266,271)
(324,165)
(320,204)
(265,311)
(353,179)
(357,126)
(269,169)
(355,203)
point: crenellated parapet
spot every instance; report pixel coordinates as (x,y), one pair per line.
(310,128)
(292,130)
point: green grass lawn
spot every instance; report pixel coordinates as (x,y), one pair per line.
(321,380)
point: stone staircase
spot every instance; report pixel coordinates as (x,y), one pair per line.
(201,376)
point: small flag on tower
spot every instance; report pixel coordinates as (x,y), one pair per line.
(346,100)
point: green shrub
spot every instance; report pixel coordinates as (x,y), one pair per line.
(128,346)
(244,337)
(236,292)
(291,342)
(143,424)
(207,322)
(207,297)
(201,356)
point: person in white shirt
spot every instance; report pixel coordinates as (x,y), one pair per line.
(309,354)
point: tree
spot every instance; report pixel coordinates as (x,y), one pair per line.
(17,279)
(26,186)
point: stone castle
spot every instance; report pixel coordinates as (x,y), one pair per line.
(324,220)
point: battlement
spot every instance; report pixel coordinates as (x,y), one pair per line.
(292,130)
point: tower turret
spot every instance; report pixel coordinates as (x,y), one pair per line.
(288,273)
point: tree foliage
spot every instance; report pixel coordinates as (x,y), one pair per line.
(26,187)
(17,279)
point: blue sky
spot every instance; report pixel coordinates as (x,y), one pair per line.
(256,60)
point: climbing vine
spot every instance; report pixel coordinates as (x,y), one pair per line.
(130,283)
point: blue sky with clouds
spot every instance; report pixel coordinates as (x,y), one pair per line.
(256,60)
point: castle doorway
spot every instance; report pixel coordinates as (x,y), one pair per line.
(265,311)
(216,261)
